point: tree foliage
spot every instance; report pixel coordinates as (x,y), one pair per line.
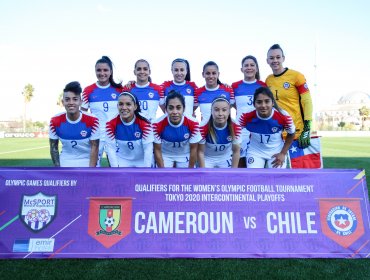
(364,113)
(28,93)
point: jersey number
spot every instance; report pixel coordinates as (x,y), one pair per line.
(130,145)
(74,144)
(276,94)
(265,139)
(143,104)
(250,100)
(105,107)
(176,145)
(220,148)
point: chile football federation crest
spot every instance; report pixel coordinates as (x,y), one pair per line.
(109,219)
(341,220)
(38,211)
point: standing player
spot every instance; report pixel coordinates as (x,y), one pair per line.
(150,95)
(78,132)
(212,89)
(291,93)
(131,133)
(176,136)
(101,98)
(220,144)
(243,92)
(181,83)
(266,124)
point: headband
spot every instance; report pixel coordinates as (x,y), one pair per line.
(128,93)
(220,98)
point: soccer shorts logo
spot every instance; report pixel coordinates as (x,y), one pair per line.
(38,211)
(286,85)
(250,160)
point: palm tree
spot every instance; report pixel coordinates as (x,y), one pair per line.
(27,96)
(364,113)
(60,98)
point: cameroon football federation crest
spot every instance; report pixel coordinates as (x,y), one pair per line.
(109,219)
(38,211)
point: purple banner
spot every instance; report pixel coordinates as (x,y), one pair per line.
(197,213)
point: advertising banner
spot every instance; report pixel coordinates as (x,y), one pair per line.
(183,213)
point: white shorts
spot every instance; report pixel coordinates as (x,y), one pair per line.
(75,162)
(180,162)
(220,163)
(109,151)
(245,142)
(253,161)
(130,163)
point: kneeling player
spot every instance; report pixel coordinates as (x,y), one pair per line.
(78,132)
(266,124)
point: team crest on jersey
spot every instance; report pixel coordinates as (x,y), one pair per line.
(109,219)
(83,133)
(186,135)
(274,129)
(341,220)
(114,95)
(188,90)
(250,160)
(38,211)
(223,95)
(229,138)
(151,94)
(286,85)
(137,134)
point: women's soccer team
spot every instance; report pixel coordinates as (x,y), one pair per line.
(120,121)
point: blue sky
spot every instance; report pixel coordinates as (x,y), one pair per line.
(50,44)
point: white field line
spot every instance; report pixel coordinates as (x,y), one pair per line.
(23,150)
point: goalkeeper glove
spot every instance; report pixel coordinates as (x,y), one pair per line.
(304,138)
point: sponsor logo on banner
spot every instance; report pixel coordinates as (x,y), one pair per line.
(38,211)
(40,245)
(341,220)
(109,219)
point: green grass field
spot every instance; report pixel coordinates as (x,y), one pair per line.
(337,152)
